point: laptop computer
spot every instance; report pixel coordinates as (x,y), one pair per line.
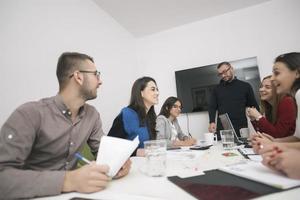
(227,125)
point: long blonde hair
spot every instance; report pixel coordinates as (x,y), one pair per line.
(270,111)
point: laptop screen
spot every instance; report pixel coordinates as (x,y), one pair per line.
(227,125)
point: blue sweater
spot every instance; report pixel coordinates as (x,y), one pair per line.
(132,126)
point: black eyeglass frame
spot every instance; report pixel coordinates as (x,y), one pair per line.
(176,106)
(96,73)
(224,72)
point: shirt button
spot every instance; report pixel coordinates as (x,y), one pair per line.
(67,163)
(10,136)
(71,143)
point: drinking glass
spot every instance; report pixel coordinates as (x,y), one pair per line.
(155,153)
(227,137)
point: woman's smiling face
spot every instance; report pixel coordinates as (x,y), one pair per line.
(266,89)
(283,78)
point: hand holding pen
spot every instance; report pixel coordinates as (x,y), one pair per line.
(122,172)
(190,141)
(86,179)
(80,157)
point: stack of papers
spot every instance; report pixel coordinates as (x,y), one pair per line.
(114,152)
(258,172)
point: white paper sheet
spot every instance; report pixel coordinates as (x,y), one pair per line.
(184,163)
(258,172)
(114,152)
(247,151)
(256,158)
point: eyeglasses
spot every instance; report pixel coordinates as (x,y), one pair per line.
(176,106)
(96,73)
(224,72)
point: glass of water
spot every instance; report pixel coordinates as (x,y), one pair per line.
(227,137)
(156,154)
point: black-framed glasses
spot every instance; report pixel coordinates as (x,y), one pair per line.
(96,73)
(177,106)
(224,72)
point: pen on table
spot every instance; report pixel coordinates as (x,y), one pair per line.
(80,157)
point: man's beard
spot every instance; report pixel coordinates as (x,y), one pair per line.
(87,94)
(229,79)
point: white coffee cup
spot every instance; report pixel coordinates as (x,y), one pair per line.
(209,138)
(244,132)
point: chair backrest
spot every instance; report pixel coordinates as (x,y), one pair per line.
(117,129)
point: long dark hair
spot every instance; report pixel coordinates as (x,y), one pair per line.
(167,106)
(269,110)
(137,104)
(292,61)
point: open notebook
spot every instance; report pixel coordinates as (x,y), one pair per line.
(258,172)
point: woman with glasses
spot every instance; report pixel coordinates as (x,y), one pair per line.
(138,118)
(278,117)
(167,126)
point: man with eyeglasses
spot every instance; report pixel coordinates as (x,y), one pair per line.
(39,140)
(231,96)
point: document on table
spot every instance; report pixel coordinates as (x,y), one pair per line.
(184,163)
(258,172)
(256,158)
(114,152)
(247,151)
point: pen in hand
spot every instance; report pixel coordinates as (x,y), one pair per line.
(80,157)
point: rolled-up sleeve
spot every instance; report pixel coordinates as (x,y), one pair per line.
(17,137)
(95,136)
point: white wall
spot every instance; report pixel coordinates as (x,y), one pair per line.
(33,33)
(265,31)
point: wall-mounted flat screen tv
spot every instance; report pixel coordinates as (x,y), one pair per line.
(194,85)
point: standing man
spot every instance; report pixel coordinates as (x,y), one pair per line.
(231,96)
(38,141)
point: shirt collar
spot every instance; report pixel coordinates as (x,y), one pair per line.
(64,109)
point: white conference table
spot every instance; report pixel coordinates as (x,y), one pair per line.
(138,186)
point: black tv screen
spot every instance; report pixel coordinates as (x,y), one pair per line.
(194,86)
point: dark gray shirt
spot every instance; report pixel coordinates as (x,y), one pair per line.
(38,143)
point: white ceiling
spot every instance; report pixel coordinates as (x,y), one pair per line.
(144,17)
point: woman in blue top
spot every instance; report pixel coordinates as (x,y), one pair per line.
(138,118)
